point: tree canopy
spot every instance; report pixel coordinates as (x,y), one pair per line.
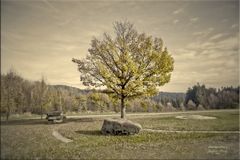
(129,65)
(226,97)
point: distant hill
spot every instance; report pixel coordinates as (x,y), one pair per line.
(172,94)
(73,90)
(169,96)
(160,95)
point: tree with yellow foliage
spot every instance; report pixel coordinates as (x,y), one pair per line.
(129,65)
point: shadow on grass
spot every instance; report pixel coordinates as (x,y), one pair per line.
(43,121)
(90,132)
(80,120)
(25,122)
(97,133)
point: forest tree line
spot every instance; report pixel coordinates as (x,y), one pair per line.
(212,98)
(19,95)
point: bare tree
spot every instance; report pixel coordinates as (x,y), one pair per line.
(42,92)
(11,92)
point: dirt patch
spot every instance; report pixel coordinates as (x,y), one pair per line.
(58,136)
(195,117)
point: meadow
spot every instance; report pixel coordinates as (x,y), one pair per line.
(33,139)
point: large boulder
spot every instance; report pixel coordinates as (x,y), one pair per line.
(120,127)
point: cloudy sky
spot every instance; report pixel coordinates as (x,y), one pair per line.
(41,37)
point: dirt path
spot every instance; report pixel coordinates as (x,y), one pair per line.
(58,136)
(215,132)
(149,114)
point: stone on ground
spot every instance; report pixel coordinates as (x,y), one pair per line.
(120,127)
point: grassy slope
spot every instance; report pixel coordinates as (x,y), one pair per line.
(225,121)
(32,139)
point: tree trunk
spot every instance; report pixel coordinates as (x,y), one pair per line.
(8,113)
(8,107)
(123,112)
(41,112)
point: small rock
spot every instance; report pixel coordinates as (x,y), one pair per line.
(120,127)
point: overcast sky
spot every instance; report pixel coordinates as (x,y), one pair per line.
(41,37)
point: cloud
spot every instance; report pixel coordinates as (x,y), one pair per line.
(214,63)
(234,25)
(228,43)
(178,11)
(175,21)
(217,36)
(224,20)
(51,6)
(203,33)
(194,19)
(66,22)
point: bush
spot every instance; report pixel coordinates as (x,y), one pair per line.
(169,108)
(182,107)
(200,107)
(191,105)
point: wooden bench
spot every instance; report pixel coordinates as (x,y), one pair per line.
(56,117)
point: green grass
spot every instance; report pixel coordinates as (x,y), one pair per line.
(33,139)
(224,121)
(21,116)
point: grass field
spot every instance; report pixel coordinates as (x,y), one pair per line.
(32,139)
